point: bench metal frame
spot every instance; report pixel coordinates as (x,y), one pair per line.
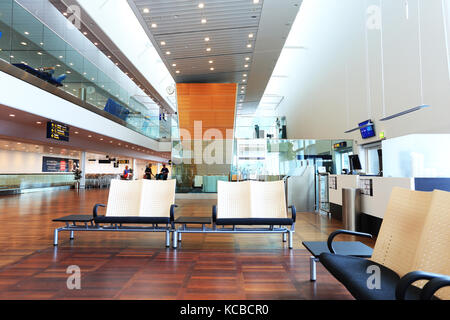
(72,227)
(283,230)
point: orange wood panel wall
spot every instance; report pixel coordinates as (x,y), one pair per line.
(213,104)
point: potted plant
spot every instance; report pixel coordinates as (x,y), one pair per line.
(77,176)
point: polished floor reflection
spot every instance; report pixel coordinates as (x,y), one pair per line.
(138,266)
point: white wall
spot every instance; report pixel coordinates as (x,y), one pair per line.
(22,162)
(417,155)
(337,72)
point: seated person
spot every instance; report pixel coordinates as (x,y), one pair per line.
(126,174)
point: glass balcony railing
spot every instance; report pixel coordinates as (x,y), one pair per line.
(30,45)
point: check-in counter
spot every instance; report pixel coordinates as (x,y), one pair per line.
(375,194)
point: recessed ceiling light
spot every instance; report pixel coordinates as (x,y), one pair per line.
(246,66)
(174,64)
(11,57)
(178,71)
(68,72)
(163,43)
(61,57)
(249,45)
(26,32)
(201,5)
(85,33)
(203,21)
(111,141)
(96,43)
(207,39)
(89,136)
(247,58)
(208,49)
(38,122)
(210,61)
(154,25)
(39,53)
(243,80)
(76,132)
(23,43)
(167,52)
(12,115)
(250,35)
(146,10)
(244,74)
(65,14)
(212,69)
(101,139)
(255,1)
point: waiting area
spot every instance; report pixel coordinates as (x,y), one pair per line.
(251,159)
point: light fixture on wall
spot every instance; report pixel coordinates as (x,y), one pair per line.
(405,112)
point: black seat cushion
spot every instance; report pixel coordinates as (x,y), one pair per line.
(144,220)
(352,273)
(255,221)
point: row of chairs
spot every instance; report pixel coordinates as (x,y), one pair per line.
(99,180)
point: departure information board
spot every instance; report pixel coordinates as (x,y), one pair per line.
(57,131)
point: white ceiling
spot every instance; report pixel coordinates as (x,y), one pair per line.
(175,26)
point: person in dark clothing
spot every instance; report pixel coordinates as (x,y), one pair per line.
(148,172)
(164,172)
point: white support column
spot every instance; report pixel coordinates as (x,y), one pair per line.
(135,173)
(83,170)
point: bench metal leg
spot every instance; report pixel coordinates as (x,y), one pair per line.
(284,236)
(291,239)
(179,236)
(167,238)
(55,237)
(312,268)
(71,235)
(175,240)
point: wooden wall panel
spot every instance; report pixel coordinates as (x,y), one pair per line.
(213,104)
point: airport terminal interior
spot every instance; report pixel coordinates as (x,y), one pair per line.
(225,150)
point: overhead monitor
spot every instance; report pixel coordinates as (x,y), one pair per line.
(367,129)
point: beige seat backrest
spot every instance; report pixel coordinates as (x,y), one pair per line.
(233,199)
(268,199)
(433,252)
(157,197)
(124,198)
(400,232)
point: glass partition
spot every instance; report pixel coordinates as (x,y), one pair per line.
(30,45)
(199,164)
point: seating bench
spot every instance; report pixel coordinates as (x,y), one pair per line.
(412,246)
(260,206)
(146,203)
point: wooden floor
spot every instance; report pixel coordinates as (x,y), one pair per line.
(138,266)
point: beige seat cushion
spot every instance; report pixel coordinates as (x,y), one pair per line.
(124,198)
(268,199)
(401,229)
(157,197)
(233,200)
(433,252)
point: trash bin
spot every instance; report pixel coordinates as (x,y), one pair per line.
(351,208)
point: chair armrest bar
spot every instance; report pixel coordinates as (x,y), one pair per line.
(214,214)
(94,211)
(407,280)
(294,212)
(172,214)
(433,286)
(337,232)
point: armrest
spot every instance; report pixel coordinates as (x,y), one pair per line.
(172,214)
(94,211)
(433,286)
(407,280)
(294,212)
(214,214)
(337,232)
